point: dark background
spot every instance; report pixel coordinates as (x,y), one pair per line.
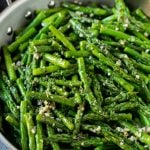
(3,4)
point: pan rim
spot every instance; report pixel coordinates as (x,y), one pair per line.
(6,142)
(3,15)
(10,9)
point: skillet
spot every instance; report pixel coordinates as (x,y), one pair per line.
(13,17)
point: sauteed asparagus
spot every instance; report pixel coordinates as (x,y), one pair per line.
(78,77)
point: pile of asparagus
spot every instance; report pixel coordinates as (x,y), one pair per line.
(78,77)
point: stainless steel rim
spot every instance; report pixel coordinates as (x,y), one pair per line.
(8,145)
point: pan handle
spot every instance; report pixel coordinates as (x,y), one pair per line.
(4,4)
(9,2)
